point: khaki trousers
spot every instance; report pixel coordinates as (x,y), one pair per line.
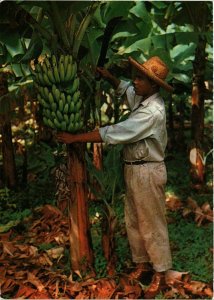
(145,214)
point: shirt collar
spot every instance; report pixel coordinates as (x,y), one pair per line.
(149,99)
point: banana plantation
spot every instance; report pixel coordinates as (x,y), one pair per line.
(62,224)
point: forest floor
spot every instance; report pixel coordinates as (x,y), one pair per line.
(34,246)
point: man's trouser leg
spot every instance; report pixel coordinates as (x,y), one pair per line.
(145,214)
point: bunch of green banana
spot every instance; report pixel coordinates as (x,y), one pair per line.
(58,93)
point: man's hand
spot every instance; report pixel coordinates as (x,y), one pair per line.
(109,77)
(65,137)
(104,73)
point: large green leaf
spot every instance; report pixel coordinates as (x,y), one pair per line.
(141,45)
(125,29)
(34,50)
(186,37)
(182,77)
(116,9)
(11,39)
(181,52)
(144,22)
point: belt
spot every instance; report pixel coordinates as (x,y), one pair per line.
(137,162)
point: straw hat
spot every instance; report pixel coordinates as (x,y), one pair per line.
(155,69)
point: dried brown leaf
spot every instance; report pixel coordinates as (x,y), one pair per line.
(55,252)
(24,292)
(43,260)
(34,281)
(173,203)
(192,203)
(186,211)
(7,285)
(8,248)
(105,289)
(175,277)
(197,287)
(206,207)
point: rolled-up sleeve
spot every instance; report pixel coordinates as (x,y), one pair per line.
(125,88)
(138,126)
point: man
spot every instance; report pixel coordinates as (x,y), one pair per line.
(144,137)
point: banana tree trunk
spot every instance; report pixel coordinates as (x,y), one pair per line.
(80,249)
(198,93)
(9,167)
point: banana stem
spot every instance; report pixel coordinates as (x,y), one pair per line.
(83,26)
(71,28)
(59,25)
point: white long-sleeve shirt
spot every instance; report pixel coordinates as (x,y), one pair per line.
(144,133)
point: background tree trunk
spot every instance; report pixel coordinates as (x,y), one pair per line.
(9,167)
(197,119)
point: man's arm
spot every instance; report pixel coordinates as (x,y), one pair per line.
(88,137)
(109,77)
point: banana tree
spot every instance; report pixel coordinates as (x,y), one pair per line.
(59,27)
(199,15)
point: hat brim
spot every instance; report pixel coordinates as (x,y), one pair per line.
(151,75)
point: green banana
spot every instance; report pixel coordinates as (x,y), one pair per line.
(42,102)
(63,125)
(66,107)
(40,79)
(61,72)
(50,98)
(78,105)
(61,59)
(69,99)
(54,106)
(68,72)
(54,61)
(41,91)
(62,96)
(56,74)
(75,85)
(44,68)
(66,118)
(51,124)
(76,117)
(66,59)
(46,79)
(71,107)
(56,123)
(71,127)
(53,114)
(38,68)
(47,62)
(51,76)
(70,59)
(76,96)
(57,93)
(47,113)
(45,120)
(61,105)
(71,118)
(74,71)
(46,92)
(59,115)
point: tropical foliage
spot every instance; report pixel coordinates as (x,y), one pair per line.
(44,255)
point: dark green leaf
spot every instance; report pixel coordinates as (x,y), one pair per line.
(34,49)
(11,39)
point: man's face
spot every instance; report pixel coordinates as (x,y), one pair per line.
(143,86)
